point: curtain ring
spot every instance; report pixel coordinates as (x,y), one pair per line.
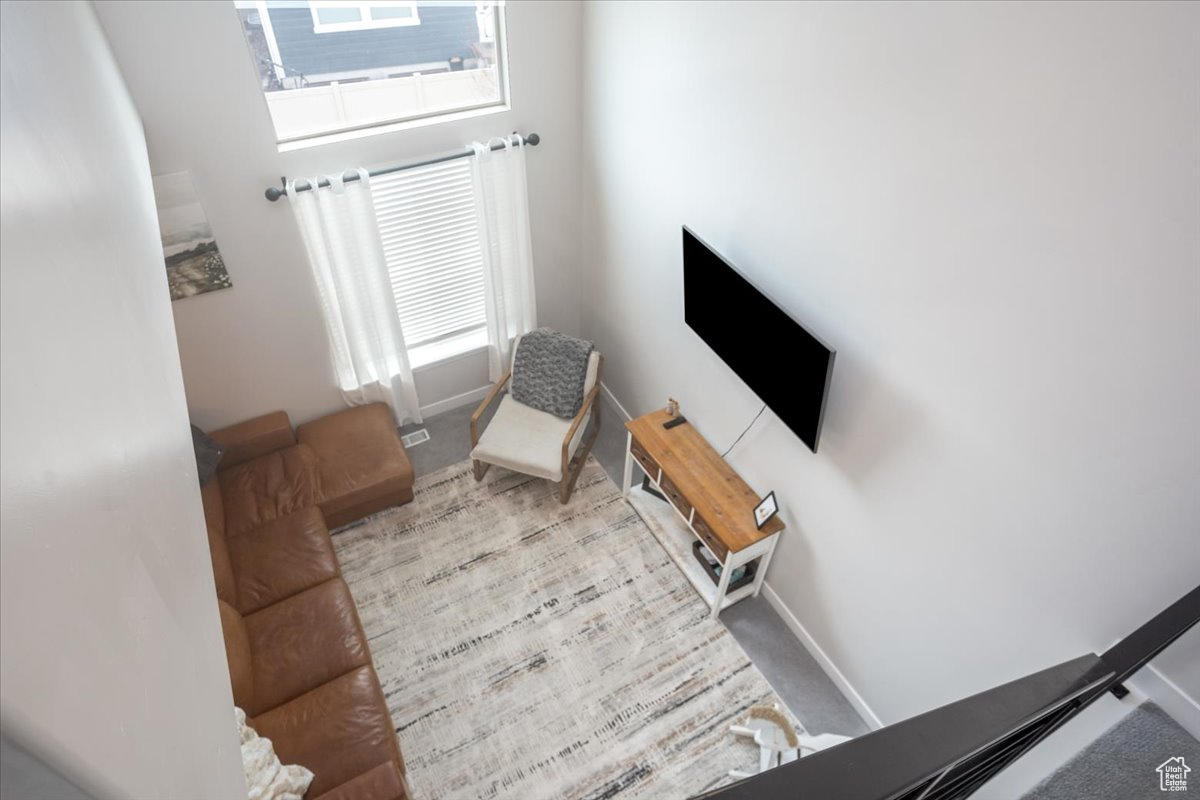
(311,183)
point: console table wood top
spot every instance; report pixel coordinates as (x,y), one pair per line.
(718,494)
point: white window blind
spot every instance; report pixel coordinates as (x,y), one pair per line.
(431,242)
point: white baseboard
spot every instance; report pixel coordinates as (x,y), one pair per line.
(826,664)
(459,400)
(1169,697)
(612,398)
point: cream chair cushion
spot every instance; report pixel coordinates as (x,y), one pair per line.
(529,441)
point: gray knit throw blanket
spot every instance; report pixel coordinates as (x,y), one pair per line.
(549,371)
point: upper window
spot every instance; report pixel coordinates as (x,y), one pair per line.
(331,16)
(331,66)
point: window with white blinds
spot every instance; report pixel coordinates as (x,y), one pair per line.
(431,242)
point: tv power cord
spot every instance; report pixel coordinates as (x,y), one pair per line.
(744,432)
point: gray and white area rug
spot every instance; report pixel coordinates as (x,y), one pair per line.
(534,650)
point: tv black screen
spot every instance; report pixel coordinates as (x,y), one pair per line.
(785,365)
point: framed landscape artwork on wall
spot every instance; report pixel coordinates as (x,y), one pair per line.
(194,265)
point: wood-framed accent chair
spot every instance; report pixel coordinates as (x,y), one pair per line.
(534,442)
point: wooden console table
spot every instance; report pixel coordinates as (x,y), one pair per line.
(714,503)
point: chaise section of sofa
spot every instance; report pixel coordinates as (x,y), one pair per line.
(358,471)
(348,464)
(298,658)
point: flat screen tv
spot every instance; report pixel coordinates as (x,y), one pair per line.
(781,362)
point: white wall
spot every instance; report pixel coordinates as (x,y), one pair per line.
(261,345)
(112,665)
(990,210)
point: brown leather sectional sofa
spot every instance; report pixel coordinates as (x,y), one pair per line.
(298,658)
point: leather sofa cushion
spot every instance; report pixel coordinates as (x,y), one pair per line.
(214,519)
(360,458)
(302,642)
(382,783)
(268,487)
(214,507)
(222,568)
(221,563)
(237,653)
(253,438)
(339,730)
(281,558)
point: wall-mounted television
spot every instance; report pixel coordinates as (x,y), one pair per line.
(781,362)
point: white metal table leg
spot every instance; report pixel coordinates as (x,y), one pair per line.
(628,465)
(723,586)
(763,563)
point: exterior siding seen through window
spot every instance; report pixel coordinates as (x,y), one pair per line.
(444,32)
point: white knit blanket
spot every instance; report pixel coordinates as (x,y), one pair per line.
(266,778)
(549,372)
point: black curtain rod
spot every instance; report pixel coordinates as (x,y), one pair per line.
(273,193)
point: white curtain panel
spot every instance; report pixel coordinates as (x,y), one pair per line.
(346,255)
(502,204)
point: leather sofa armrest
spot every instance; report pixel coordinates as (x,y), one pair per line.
(254,437)
(385,782)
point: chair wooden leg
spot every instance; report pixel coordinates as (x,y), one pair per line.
(567,485)
(480,468)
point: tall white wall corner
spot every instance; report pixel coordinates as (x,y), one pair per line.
(612,398)
(819,655)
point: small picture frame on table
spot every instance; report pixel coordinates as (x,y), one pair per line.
(765,510)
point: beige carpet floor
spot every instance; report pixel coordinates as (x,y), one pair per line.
(534,650)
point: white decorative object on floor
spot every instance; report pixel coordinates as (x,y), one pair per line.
(341,236)
(502,209)
(777,740)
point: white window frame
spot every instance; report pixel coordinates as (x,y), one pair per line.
(366,21)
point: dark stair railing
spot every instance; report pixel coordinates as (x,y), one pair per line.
(950,752)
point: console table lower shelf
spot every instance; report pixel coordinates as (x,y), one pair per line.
(676,538)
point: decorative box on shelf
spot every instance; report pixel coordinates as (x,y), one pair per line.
(706,502)
(740,577)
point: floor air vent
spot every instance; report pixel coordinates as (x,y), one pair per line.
(416,437)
